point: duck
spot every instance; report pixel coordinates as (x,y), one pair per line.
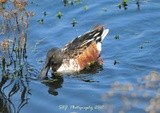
(77,54)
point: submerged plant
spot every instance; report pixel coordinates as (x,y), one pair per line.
(13,34)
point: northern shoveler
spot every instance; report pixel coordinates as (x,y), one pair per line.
(77,54)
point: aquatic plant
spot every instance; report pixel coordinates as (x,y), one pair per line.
(13,55)
(45,13)
(124,4)
(71,2)
(74,22)
(117,37)
(40,21)
(14,27)
(59,14)
(85,7)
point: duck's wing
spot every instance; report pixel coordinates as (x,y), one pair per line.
(79,44)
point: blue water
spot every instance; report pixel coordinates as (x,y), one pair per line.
(131,85)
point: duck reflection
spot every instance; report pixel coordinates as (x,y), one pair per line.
(53,83)
(56,81)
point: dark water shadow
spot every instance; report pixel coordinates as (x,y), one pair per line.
(53,83)
(56,81)
(14,84)
(10,88)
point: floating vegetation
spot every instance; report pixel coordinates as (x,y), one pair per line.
(40,21)
(144,44)
(40,61)
(138,4)
(14,29)
(71,2)
(45,13)
(141,46)
(104,9)
(92,67)
(85,7)
(124,4)
(74,22)
(59,14)
(115,62)
(65,2)
(117,37)
(77,1)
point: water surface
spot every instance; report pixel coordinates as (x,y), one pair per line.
(129,80)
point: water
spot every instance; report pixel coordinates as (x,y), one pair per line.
(129,80)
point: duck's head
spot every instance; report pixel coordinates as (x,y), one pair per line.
(54,59)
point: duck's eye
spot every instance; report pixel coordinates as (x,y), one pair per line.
(53,55)
(56,64)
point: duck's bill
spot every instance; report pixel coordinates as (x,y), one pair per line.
(43,72)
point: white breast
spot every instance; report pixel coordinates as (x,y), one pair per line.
(69,66)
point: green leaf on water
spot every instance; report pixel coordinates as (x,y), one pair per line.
(59,15)
(125,1)
(74,22)
(77,1)
(65,2)
(40,21)
(119,5)
(85,7)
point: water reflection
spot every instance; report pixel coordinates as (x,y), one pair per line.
(143,94)
(53,83)
(138,4)
(9,88)
(56,81)
(14,83)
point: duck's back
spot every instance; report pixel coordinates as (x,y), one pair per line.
(83,50)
